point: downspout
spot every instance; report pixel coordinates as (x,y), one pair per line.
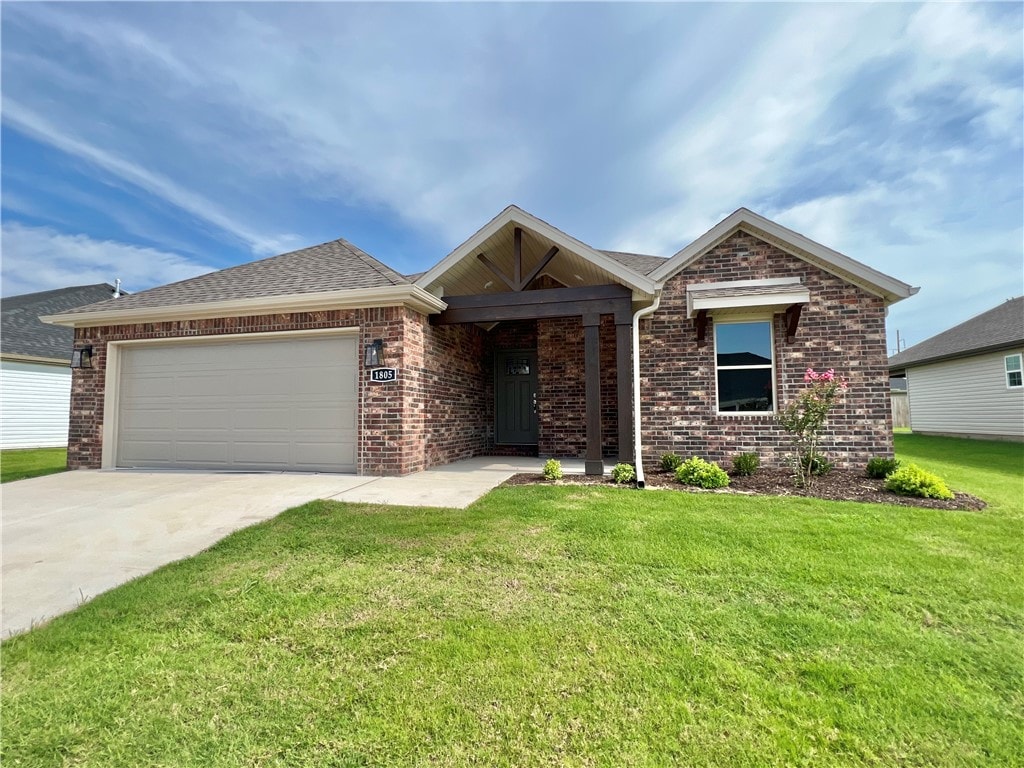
(637,448)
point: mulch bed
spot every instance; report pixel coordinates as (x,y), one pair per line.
(837,485)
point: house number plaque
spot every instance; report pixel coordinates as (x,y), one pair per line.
(383,375)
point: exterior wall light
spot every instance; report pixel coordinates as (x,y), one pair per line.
(373,356)
(81,357)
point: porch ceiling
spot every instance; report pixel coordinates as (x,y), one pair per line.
(467,275)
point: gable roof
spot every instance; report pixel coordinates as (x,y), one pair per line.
(586,259)
(999,327)
(641,263)
(873,281)
(23,333)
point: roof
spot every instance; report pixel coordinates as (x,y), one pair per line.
(878,283)
(999,327)
(333,266)
(640,263)
(23,333)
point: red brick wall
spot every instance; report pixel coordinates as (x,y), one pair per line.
(390,441)
(843,327)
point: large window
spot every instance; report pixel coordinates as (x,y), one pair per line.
(743,362)
(1014,372)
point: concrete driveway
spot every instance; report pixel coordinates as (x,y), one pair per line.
(68,537)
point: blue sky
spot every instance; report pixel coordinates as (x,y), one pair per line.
(153,142)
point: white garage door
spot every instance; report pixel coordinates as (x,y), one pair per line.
(282,404)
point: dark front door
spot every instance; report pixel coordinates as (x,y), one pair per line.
(515,398)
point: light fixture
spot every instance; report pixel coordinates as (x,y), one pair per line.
(81,357)
(373,356)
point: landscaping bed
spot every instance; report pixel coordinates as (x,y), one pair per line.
(837,485)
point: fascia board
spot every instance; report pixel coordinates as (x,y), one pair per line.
(697,303)
(411,296)
(516,215)
(878,283)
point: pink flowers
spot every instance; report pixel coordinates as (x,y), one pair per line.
(827,377)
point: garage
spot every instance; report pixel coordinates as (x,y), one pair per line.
(239,404)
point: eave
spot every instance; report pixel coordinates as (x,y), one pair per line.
(411,296)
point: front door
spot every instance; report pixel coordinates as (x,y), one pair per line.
(515,398)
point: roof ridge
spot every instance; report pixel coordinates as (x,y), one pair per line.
(374,262)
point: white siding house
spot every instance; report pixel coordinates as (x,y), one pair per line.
(35,377)
(34,400)
(969,380)
(966,396)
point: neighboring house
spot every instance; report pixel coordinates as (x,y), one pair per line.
(35,381)
(523,340)
(969,380)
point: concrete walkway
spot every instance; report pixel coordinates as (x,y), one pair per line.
(70,536)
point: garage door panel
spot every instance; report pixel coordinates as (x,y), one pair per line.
(272,404)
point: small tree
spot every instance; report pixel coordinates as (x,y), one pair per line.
(804,419)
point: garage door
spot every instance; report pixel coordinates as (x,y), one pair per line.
(282,404)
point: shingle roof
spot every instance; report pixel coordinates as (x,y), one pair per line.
(638,262)
(334,266)
(22,332)
(1001,326)
(744,290)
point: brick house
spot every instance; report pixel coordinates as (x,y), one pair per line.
(523,340)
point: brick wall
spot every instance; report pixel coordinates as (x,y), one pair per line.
(843,327)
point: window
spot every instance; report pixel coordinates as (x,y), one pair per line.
(1014,372)
(745,370)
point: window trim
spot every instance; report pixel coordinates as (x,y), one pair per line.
(746,320)
(1019,369)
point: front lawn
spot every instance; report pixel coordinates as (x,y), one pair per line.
(556,626)
(31,462)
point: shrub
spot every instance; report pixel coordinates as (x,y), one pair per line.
(552,469)
(805,419)
(623,473)
(701,473)
(815,465)
(745,463)
(670,462)
(880,467)
(911,480)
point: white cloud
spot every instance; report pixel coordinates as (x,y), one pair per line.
(42,259)
(31,124)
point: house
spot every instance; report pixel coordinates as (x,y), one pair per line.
(522,341)
(35,380)
(969,380)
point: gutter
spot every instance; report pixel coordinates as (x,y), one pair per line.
(637,447)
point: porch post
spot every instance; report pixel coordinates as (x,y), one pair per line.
(624,381)
(594,464)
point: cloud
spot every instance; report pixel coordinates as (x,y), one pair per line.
(29,123)
(42,259)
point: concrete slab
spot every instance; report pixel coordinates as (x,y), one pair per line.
(68,537)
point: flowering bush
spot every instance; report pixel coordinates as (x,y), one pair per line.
(804,419)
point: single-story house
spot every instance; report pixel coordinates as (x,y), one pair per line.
(35,380)
(968,381)
(523,340)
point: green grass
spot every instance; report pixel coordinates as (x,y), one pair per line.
(557,626)
(31,462)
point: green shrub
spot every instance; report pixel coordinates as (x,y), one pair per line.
(880,467)
(701,473)
(552,469)
(745,463)
(623,473)
(670,462)
(911,480)
(815,465)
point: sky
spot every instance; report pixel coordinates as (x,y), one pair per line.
(154,142)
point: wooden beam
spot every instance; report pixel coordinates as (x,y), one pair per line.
(702,328)
(517,267)
(624,387)
(495,314)
(543,296)
(491,266)
(540,265)
(594,464)
(792,321)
